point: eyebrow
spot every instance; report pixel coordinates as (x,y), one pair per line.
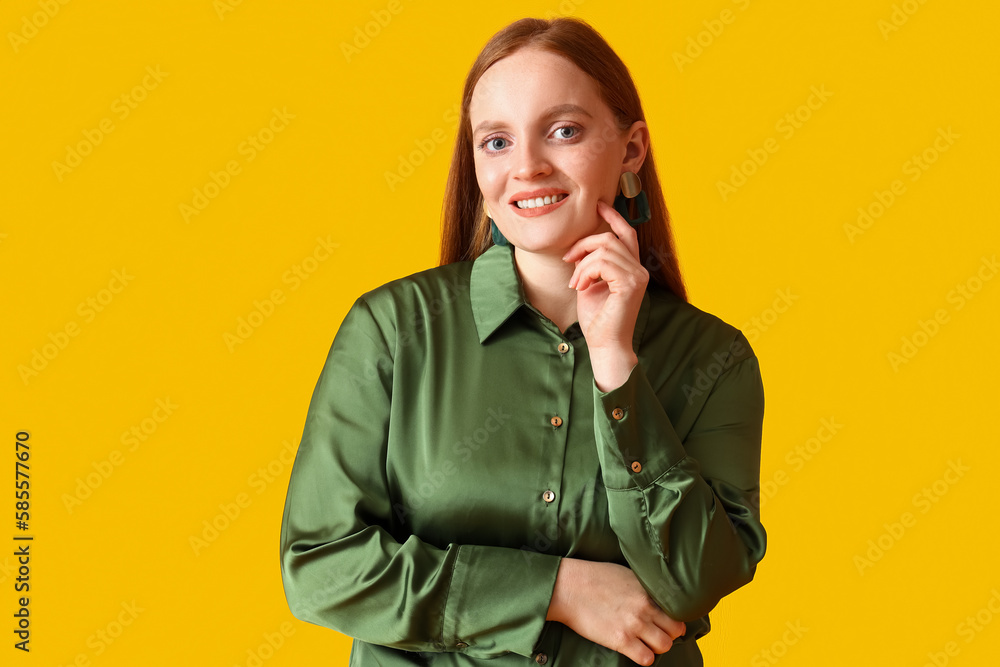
(562,109)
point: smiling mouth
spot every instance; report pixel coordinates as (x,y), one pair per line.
(540,201)
(536,206)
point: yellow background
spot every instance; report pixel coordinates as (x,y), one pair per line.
(240,408)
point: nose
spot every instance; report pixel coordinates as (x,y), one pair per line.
(530,161)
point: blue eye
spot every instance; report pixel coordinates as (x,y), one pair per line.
(490,142)
(567,127)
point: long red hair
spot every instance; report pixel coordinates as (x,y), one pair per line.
(465,227)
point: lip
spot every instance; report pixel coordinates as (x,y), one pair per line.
(538,210)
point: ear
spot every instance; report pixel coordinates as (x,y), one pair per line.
(636,146)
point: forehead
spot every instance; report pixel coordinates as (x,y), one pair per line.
(531,79)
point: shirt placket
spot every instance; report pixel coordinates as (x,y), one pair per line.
(560,352)
(554,415)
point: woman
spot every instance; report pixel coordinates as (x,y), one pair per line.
(538,451)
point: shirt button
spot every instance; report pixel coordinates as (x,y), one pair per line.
(548,496)
(541,658)
(617,413)
(636,466)
(461,645)
(563,348)
(556,421)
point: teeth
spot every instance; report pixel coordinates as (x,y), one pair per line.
(540,201)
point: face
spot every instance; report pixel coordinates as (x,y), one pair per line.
(541,130)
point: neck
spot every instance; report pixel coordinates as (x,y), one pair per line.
(546,286)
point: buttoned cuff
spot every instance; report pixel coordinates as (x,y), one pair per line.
(498,600)
(636,441)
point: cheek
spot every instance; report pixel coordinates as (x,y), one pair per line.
(489,178)
(595,172)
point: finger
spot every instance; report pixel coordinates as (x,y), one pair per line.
(611,267)
(596,267)
(593,242)
(590,263)
(673,628)
(657,639)
(663,630)
(622,231)
(625,231)
(638,652)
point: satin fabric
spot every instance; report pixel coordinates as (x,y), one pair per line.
(456,448)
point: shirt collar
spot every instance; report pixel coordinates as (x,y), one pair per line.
(496,292)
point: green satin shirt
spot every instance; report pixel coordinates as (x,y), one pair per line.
(456,447)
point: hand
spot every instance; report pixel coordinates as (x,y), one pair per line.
(605,603)
(610,282)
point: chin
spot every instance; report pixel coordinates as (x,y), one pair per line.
(550,245)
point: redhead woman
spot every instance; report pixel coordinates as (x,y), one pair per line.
(537,452)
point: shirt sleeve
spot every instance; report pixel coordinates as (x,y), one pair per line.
(686,513)
(343,567)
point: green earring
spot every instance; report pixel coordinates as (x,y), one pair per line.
(498,238)
(631,189)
